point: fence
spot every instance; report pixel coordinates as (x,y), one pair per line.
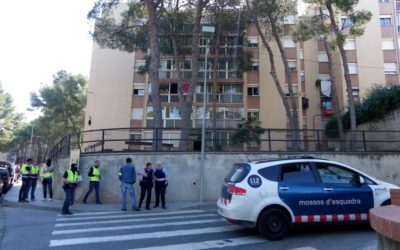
(222,140)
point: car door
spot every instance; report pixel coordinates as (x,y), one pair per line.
(343,192)
(298,188)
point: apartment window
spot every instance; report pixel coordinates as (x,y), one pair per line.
(138,89)
(171,113)
(302,77)
(346,22)
(254,66)
(356,94)
(385,20)
(390,68)
(292,66)
(253,91)
(166,64)
(291,19)
(137,114)
(322,57)
(295,89)
(388,44)
(352,68)
(252,42)
(139,64)
(350,44)
(288,42)
(136,137)
(229,113)
(255,115)
(301,54)
(149,112)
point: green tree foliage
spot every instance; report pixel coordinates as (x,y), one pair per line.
(64,101)
(9,119)
(247,133)
(378,103)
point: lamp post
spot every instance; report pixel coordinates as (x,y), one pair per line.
(210,30)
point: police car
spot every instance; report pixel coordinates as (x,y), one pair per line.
(274,194)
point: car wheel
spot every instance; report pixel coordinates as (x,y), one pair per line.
(274,224)
(386,203)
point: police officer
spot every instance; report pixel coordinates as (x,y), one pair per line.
(161,182)
(33,181)
(26,171)
(94,177)
(47,181)
(146,185)
(70,180)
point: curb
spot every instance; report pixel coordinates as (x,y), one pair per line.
(7,203)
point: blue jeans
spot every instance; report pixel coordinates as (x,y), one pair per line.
(68,198)
(128,187)
(47,183)
(93,185)
(33,188)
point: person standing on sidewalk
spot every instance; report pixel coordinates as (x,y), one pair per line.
(33,181)
(26,170)
(94,177)
(47,181)
(146,184)
(127,176)
(70,180)
(161,184)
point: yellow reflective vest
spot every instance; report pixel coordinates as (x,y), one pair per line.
(96,171)
(46,174)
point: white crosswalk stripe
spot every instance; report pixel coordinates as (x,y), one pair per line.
(187,229)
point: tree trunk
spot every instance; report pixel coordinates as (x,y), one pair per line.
(335,100)
(272,63)
(293,119)
(154,74)
(352,110)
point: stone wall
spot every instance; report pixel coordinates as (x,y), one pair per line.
(184,169)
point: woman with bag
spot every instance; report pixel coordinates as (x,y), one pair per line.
(146,185)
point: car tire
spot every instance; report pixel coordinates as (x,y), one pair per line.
(274,224)
(386,203)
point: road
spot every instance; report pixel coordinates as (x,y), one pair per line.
(185,229)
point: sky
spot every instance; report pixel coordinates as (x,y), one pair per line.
(39,38)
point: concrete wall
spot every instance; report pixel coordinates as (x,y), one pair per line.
(184,169)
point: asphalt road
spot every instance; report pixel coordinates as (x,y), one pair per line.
(184,229)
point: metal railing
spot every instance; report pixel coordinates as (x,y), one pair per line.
(221,140)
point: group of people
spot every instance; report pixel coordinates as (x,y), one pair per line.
(157,177)
(30,174)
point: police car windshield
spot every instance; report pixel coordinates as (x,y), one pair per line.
(237,173)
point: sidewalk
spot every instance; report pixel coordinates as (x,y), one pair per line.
(11,200)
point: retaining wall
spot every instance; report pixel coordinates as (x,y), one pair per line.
(184,169)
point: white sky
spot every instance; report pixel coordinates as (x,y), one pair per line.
(39,38)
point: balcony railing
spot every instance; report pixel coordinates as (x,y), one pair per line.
(220,98)
(167,123)
(171,98)
(220,123)
(220,74)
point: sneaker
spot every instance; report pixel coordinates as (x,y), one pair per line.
(136,209)
(123,209)
(155,206)
(25,200)
(44,199)
(49,199)
(164,207)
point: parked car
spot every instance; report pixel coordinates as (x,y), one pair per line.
(6,176)
(275,194)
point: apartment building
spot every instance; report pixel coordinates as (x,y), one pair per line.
(120,96)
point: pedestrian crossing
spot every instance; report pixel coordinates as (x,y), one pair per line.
(184,229)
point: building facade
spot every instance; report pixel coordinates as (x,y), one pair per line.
(119,94)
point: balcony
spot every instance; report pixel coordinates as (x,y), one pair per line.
(167,123)
(221,98)
(220,123)
(166,98)
(220,74)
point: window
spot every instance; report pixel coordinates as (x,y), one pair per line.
(139,64)
(137,114)
(385,20)
(322,57)
(388,44)
(390,68)
(356,94)
(297,173)
(149,112)
(292,66)
(334,174)
(346,22)
(136,137)
(352,68)
(289,19)
(255,115)
(288,42)
(253,91)
(166,64)
(285,89)
(252,42)
(149,88)
(301,54)
(350,44)
(138,89)
(171,113)
(229,113)
(254,66)
(302,77)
